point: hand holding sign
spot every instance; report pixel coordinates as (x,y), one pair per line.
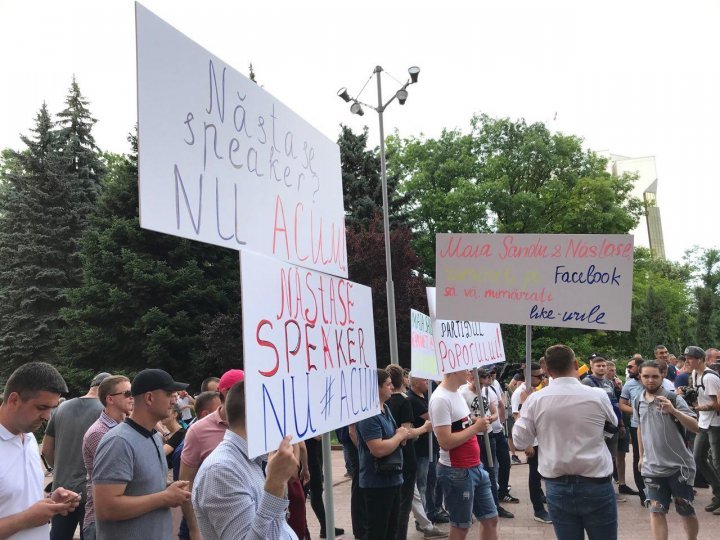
(282,465)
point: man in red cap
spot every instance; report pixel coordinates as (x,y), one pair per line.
(202,437)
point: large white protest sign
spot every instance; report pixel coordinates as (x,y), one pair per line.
(571,280)
(223,162)
(309,352)
(423,362)
(464,344)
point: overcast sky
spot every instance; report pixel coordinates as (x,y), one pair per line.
(636,78)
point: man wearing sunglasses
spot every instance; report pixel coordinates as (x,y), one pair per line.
(132,497)
(115,395)
(62,447)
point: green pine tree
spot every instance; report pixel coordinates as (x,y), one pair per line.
(36,247)
(150,299)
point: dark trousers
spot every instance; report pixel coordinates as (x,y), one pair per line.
(433,491)
(490,470)
(383,504)
(707,456)
(639,482)
(63,527)
(407,492)
(314,450)
(297,518)
(358,510)
(502,450)
(535,483)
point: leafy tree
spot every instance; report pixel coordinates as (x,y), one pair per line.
(366,256)
(362,188)
(149,299)
(507,176)
(706,292)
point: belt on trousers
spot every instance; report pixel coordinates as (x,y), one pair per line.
(573,479)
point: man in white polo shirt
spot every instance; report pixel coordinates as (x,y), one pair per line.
(31,392)
(569,421)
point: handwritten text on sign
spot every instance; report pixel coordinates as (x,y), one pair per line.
(464,344)
(571,280)
(423,363)
(309,349)
(224,162)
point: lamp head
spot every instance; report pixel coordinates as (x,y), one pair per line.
(355,108)
(414,71)
(343,94)
(402,96)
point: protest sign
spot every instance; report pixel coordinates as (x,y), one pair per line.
(569,280)
(309,351)
(464,344)
(223,162)
(423,363)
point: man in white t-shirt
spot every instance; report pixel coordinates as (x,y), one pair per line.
(707,384)
(490,409)
(459,471)
(521,393)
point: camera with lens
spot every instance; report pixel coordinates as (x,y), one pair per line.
(689,394)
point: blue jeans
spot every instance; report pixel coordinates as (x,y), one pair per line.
(421,478)
(466,492)
(576,508)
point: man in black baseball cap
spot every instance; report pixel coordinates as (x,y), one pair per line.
(149,380)
(130,463)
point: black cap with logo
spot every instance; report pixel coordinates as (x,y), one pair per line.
(155,379)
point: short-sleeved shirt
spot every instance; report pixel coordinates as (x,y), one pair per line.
(402,411)
(91,440)
(631,389)
(21,480)
(707,384)
(489,397)
(450,409)
(130,454)
(419,405)
(515,404)
(380,426)
(664,450)
(202,437)
(68,426)
(184,405)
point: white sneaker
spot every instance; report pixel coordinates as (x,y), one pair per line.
(434,533)
(620,498)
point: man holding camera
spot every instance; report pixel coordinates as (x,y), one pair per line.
(707,384)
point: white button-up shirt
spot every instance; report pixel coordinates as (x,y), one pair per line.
(21,480)
(567,419)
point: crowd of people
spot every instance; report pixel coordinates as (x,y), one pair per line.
(430,456)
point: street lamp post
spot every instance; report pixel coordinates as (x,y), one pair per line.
(356,108)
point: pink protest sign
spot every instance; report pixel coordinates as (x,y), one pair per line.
(567,280)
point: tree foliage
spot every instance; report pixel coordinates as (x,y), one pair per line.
(48,191)
(149,299)
(507,176)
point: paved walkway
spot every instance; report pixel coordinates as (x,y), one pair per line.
(634,522)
